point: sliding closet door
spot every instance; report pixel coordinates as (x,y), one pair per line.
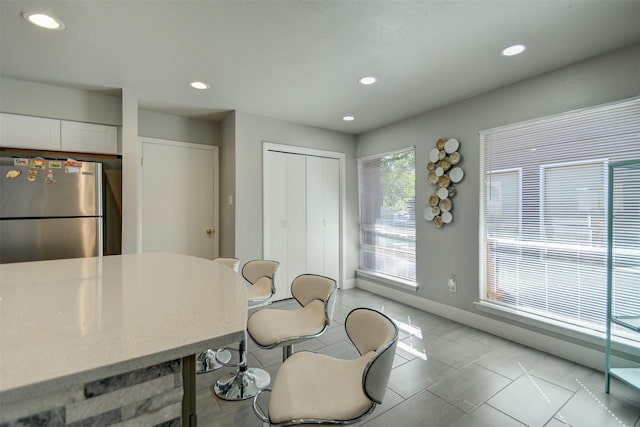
(331,234)
(301,216)
(285,220)
(323,219)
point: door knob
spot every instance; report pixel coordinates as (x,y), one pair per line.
(210,231)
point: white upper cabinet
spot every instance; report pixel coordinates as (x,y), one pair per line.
(89,138)
(38,133)
(18,131)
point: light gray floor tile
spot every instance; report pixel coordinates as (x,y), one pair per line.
(340,350)
(469,387)
(511,360)
(423,409)
(593,407)
(560,372)
(417,375)
(487,416)
(530,400)
(333,335)
(390,400)
(452,353)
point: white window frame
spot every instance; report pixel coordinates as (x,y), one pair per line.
(378,276)
(616,115)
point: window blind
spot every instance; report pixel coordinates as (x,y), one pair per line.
(387,214)
(543,213)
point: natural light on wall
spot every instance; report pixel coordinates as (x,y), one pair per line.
(543,213)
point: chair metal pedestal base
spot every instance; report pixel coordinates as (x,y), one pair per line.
(243,384)
(206,361)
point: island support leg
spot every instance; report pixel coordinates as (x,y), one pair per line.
(189,418)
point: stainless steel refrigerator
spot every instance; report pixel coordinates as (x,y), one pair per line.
(50,209)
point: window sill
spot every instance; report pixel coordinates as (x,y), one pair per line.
(388,280)
(572,331)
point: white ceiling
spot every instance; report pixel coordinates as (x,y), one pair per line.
(301,60)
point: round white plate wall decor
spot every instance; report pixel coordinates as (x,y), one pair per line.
(433,155)
(456,174)
(442,172)
(452,145)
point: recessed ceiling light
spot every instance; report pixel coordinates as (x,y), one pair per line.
(367,80)
(513,50)
(44,21)
(348,118)
(199,85)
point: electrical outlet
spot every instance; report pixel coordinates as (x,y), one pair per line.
(452,285)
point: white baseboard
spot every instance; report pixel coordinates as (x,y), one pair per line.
(349,284)
(567,350)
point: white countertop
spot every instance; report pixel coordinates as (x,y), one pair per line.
(81,319)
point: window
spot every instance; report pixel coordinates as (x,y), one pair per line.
(388,215)
(543,214)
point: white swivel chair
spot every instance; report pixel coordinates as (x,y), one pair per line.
(206,361)
(246,382)
(271,328)
(313,388)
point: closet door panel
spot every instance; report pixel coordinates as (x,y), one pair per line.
(331,218)
(296,218)
(275,233)
(315,215)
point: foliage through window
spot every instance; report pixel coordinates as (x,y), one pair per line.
(543,215)
(388,215)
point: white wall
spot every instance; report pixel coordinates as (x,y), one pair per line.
(454,248)
(251,132)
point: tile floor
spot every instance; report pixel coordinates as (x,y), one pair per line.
(448,374)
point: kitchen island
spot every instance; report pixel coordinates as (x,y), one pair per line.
(108,340)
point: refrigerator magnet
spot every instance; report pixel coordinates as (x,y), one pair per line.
(20,162)
(13,174)
(33,172)
(49,179)
(38,163)
(72,166)
(55,164)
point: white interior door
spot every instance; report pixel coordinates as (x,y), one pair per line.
(179,198)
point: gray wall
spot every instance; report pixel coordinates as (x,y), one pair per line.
(42,100)
(454,248)
(251,132)
(227,186)
(177,128)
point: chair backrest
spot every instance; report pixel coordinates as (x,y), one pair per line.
(369,330)
(261,274)
(252,271)
(309,287)
(232,263)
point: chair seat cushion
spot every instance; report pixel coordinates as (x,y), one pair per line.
(315,386)
(270,326)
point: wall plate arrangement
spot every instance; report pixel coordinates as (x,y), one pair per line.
(443,171)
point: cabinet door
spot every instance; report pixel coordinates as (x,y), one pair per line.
(89,138)
(36,133)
